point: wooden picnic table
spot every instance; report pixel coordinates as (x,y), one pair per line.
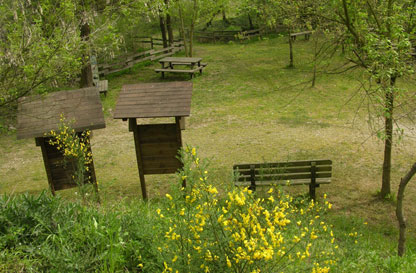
(192,65)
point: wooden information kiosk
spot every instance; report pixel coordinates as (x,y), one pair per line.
(38,115)
(156,145)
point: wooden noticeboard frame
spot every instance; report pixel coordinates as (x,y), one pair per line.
(157,145)
(59,171)
(38,115)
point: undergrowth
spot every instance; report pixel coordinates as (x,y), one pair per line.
(193,229)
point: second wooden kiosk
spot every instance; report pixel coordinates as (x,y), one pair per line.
(156,145)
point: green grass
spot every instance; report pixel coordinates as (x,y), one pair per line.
(248,107)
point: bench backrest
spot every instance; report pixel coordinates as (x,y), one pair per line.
(306,170)
(94,67)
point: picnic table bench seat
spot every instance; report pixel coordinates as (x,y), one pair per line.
(306,33)
(174,70)
(306,172)
(102,85)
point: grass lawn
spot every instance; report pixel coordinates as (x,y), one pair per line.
(248,107)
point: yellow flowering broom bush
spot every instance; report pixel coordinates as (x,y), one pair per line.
(240,232)
(75,148)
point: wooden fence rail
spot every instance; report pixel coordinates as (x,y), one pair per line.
(152,41)
(148,55)
(226,35)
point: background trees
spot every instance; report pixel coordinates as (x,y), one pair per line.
(40,45)
(378,40)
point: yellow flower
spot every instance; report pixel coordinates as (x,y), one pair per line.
(193,151)
(169,196)
(228,261)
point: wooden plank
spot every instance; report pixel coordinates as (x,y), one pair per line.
(284,183)
(103,86)
(160,100)
(181,59)
(157,133)
(139,154)
(284,164)
(160,163)
(43,143)
(277,177)
(176,70)
(160,149)
(301,33)
(161,171)
(180,101)
(38,115)
(283,170)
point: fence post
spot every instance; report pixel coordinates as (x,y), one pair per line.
(252,179)
(151,42)
(312,186)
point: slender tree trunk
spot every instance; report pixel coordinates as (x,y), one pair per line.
(388,143)
(163,30)
(315,57)
(191,30)
(182,30)
(170,30)
(399,210)
(290,50)
(250,21)
(224,17)
(169,25)
(86,71)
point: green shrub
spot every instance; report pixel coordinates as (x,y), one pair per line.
(241,232)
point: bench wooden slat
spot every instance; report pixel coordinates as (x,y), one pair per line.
(267,171)
(300,33)
(284,164)
(284,183)
(284,176)
(179,70)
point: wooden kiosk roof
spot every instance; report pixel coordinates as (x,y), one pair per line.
(38,115)
(153,100)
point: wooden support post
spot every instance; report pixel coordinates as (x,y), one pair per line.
(40,141)
(312,186)
(92,171)
(133,126)
(252,179)
(179,137)
(182,123)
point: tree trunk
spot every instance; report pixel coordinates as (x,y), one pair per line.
(169,25)
(224,17)
(182,30)
(170,30)
(86,71)
(399,210)
(290,50)
(250,21)
(388,142)
(191,30)
(163,30)
(315,57)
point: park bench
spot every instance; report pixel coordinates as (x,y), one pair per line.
(306,172)
(102,85)
(306,33)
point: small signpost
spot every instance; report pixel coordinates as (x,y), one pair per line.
(38,115)
(156,145)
